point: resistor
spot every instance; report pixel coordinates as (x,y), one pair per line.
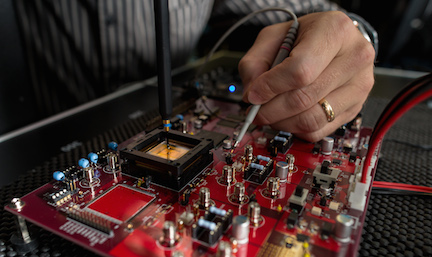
(257,166)
(284,133)
(207,224)
(217,211)
(263,158)
(278,138)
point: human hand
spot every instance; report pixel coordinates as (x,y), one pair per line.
(330,59)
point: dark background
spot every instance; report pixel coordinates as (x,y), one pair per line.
(404,28)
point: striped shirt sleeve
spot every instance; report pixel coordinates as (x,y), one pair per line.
(78,50)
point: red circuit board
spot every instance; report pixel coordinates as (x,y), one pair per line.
(125,218)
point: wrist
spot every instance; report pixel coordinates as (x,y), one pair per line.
(366,29)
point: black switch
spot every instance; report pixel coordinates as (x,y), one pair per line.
(298,191)
(325,167)
(292,220)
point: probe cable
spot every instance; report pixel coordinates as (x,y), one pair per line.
(283,52)
(416,92)
(238,24)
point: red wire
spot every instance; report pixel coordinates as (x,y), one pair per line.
(380,132)
(400,186)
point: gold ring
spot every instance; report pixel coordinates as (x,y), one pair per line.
(328,110)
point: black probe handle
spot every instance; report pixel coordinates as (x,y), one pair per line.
(163,58)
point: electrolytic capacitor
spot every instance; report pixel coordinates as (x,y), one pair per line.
(248,151)
(198,124)
(282,171)
(227,144)
(183,126)
(343,228)
(112,161)
(228,175)
(239,192)
(224,249)
(325,190)
(289,158)
(272,187)
(204,198)
(240,229)
(254,212)
(169,237)
(327,145)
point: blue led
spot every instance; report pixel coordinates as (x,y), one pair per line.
(232,88)
(113,146)
(58,175)
(83,163)
(93,157)
(180,116)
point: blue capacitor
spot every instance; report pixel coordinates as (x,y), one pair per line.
(93,157)
(113,146)
(83,163)
(206,224)
(217,211)
(283,133)
(263,158)
(280,139)
(58,175)
(180,116)
(257,166)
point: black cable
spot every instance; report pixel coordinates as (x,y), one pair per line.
(389,191)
